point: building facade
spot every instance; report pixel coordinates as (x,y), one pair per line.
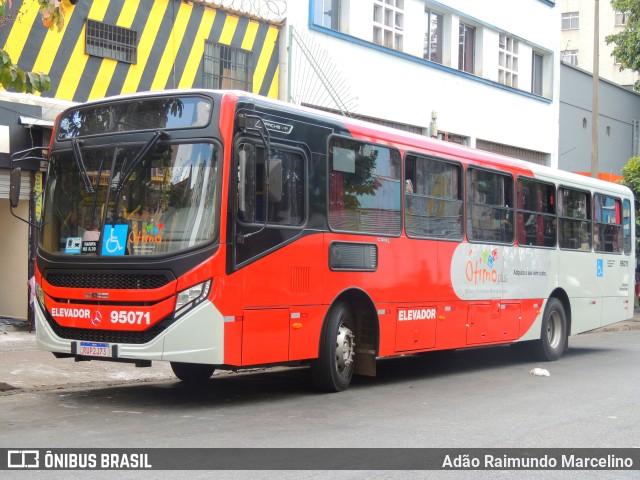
(618,124)
(480,73)
(576,40)
(106,48)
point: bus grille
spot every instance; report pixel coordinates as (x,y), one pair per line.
(109,336)
(116,281)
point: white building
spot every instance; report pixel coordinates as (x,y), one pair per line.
(485,74)
(576,41)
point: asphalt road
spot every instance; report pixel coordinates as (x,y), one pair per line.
(477,398)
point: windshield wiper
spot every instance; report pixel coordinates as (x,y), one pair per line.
(77,154)
(124,176)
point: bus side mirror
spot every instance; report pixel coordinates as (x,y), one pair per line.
(14,187)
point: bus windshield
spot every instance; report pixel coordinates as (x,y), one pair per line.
(135,199)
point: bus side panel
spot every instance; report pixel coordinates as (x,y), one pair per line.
(451,328)
(281,293)
(305,326)
(233,342)
(579,276)
(265,336)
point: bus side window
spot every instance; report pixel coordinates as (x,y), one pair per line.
(433,198)
(489,206)
(247,183)
(536,219)
(574,217)
(286,193)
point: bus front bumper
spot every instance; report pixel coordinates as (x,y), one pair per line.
(197,337)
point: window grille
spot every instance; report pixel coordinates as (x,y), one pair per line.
(110,41)
(227,67)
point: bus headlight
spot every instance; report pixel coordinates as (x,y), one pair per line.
(40,295)
(189,298)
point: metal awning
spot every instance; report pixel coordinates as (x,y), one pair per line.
(35,122)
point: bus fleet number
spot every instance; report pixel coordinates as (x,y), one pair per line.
(130,317)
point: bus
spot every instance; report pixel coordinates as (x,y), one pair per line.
(221,230)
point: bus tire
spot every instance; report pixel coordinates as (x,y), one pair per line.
(553,335)
(333,369)
(192,372)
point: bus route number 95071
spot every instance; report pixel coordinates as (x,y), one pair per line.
(131,317)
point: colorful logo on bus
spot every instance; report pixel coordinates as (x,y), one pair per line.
(482,268)
(152,233)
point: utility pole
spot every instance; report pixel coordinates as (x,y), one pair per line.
(596,81)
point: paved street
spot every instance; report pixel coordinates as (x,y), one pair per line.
(478,398)
(24,367)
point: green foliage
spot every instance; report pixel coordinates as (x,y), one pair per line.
(13,77)
(627,42)
(631,175)
(631,178)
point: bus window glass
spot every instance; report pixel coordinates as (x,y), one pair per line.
(135,115)
(286,170)
(364,188)
(626,225)
(536,220)
(489,206)
(607,224)
(433,198)
(574,229)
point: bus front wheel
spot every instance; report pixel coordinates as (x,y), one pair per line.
(333,369)
(553,335)
(192,372)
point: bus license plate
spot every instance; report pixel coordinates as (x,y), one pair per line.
(93,349)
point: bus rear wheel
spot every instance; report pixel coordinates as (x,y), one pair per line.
(553,336)
(333,369)
(192,372)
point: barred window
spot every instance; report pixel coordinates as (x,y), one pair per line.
(227,67)
(110,41)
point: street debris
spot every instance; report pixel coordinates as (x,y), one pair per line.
(540,372)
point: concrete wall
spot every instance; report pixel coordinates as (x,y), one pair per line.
(14,250)
(618,108)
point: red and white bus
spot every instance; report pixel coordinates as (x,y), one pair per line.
(219,229)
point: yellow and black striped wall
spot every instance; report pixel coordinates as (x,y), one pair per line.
(170,44)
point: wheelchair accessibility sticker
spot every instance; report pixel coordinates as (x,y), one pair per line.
(600,267)
(115,239)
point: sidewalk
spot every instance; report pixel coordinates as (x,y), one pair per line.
(24,367)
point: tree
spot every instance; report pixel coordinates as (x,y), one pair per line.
(631,178)
(12,76)
(627,41)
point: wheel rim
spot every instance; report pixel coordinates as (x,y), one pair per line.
(345,349)
(554,329)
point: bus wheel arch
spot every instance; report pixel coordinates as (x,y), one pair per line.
(349,342)
(555,328)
